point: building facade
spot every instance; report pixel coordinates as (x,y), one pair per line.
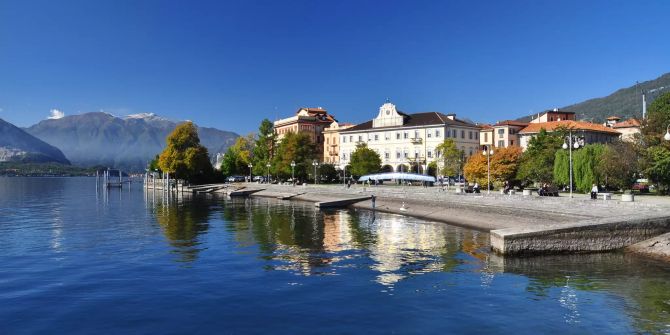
(629,129)
(331,143)
(553,115)
(587,132)
(311,121)
(502,134)
(408,140)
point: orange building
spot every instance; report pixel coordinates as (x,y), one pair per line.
(311,121)
(331,144)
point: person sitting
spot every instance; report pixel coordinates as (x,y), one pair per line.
(506,187)
(476,188)
(543,190)
(594,192)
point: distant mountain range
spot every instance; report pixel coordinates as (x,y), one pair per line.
(128,143)
(18,146)
(625,103)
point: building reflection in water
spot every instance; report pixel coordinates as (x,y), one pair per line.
(293,236)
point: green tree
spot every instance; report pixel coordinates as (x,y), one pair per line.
(153,165)
(585,167)
(237,157)
(618,164)
(537,162)
(658,119)
(364,161)
(294,147)
(184,156)
(449,157)
(328,173)
(263,147)
(658,167)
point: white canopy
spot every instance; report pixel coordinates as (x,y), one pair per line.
(397,176)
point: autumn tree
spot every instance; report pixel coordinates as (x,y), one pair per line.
(475,169)
(184,157)
(364,161)
(449,157)
(294,147)
(505,164)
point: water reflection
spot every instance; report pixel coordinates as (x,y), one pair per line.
(296,237)
(182,223)
(636,281)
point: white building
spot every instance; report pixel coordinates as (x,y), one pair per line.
(408,139)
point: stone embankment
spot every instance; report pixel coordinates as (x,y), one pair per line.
(518,224)
(656,247)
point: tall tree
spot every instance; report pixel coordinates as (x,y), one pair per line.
(449,157)
(475,169)
(505,164)
(658,167)
(658,119)
(263,147)
(364,161)
(618,164)
(294,147)
(184,156)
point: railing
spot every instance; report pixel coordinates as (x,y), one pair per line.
(416,140)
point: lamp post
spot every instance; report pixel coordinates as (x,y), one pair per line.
(488,152)
(268,166)
(250,166)
(293,172)
(568,144)
(344,174)
(315,164)
(667,133)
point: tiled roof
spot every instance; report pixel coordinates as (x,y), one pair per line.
(630,123)
(486,126)
(511,123)
(568,124)
(417,119)
(614,118)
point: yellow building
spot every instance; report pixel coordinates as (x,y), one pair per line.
(331,143)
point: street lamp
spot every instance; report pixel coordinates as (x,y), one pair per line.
(488,152)
(250,166)
(344,174)
(570,146)
(293,172)
(268,166)
(667,133)
(315,164)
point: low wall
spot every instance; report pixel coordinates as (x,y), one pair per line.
(584,236)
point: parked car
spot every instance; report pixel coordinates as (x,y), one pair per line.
(641,187)
(236,179)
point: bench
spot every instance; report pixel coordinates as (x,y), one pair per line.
(549,192)
(606,196)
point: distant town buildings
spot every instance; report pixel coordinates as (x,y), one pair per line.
(628,129)
(553,115)
(588,132)
(408,140)
(311,121)
(502,134)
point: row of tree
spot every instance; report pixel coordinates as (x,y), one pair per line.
(616,165)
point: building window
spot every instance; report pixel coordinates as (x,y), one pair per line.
(360,138)
(416,134)
(397,136)
(344,139)
(429,135)
(437,133)
(501,144)
(511,142)
(387,155)
(405,135)
(453,133)
(486,137)
(405,154)
(501,131)
(376,137)
(470,134)
(351,138)
(416,155)
(462,133)
(397,154)
(387,136)
(429,154)
(476,135)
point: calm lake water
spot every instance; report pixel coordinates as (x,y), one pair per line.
(77,260)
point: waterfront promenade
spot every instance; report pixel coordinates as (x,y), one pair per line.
(518,224)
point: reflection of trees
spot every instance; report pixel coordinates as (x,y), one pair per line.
(182,223)
(643,284)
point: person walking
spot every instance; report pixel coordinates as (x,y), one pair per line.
(594,192)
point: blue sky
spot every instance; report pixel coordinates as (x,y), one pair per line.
(229,64)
